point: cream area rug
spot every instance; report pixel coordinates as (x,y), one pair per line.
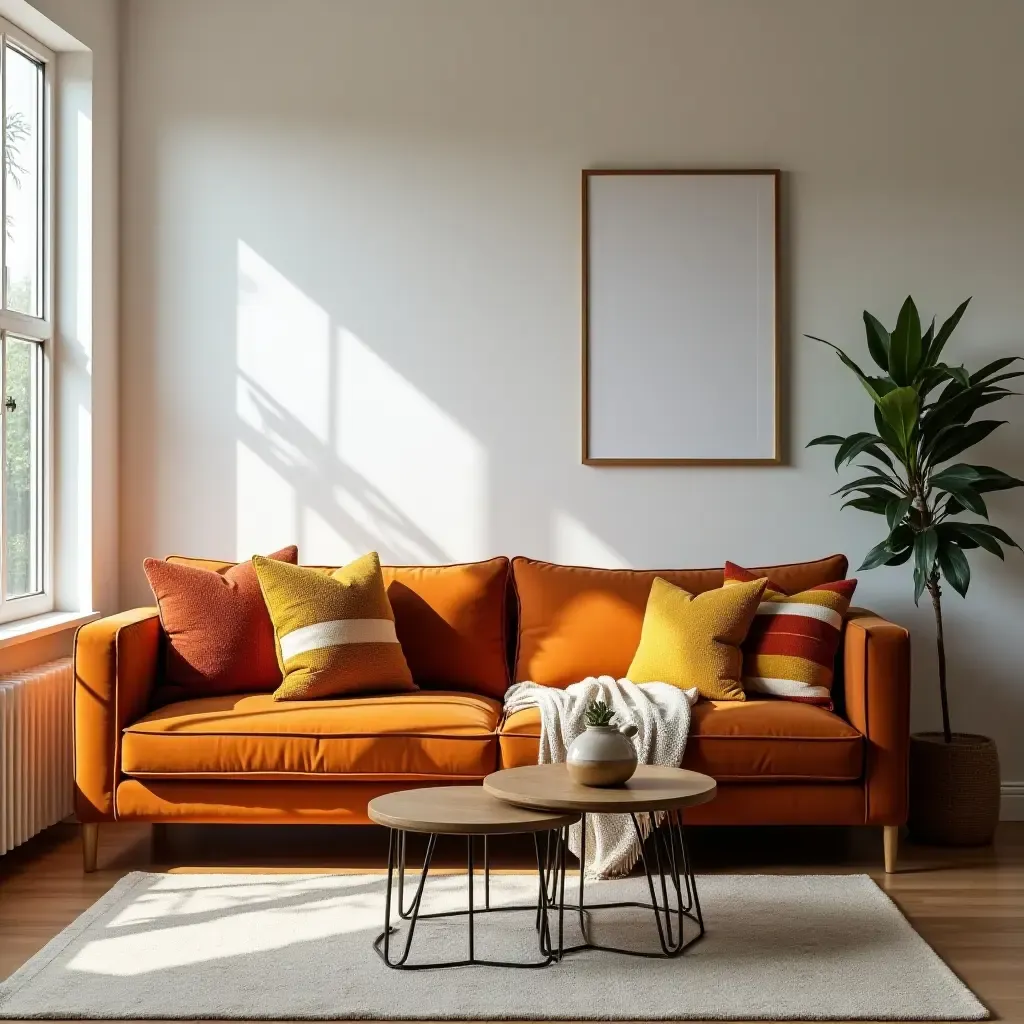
(278,946)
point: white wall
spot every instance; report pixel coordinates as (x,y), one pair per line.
(350,289)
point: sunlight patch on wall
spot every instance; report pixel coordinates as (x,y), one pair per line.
(83,262)
(575,544)
(282,402)
(425,470)
(337,451)
(268,510)
(322,543)
(283,345)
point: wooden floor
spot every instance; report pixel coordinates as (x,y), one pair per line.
(969,904)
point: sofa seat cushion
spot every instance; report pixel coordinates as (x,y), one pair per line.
(752,740)
(424,735)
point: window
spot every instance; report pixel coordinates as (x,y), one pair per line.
(26,327)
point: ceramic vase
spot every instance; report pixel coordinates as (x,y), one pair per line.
(602,756)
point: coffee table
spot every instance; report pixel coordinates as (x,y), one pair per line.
(653,791)
(471,812)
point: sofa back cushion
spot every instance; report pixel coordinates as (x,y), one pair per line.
(576,622)
(450,621)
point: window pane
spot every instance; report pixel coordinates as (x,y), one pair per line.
(23,485)
(23,166)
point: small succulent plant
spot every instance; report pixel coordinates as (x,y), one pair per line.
(598,713)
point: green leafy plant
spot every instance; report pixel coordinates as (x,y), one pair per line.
(924,409)
(598,713)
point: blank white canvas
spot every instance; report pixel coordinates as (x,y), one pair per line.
(681,316)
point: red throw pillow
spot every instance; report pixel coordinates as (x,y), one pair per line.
(220,638)
(790,651)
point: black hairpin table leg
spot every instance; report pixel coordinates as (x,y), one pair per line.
(554,845)
(671,885)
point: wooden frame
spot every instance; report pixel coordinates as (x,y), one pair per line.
(32,328)
(775,457)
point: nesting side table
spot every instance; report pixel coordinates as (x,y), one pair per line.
(653,789)
(471,812)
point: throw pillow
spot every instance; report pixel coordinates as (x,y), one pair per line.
(791,649)
(335,633)
(220,639)
(695,641)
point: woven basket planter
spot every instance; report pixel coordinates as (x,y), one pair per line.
(954,789)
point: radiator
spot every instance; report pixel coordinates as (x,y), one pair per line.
(35,750)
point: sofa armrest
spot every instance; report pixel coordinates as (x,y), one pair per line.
(876,671)
(115,674)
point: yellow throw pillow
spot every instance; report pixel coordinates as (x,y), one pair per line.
(335,633)
(695,641)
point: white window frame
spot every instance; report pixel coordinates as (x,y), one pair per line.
(38,329)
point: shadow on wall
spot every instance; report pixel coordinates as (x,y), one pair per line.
(321,488)
(335,449)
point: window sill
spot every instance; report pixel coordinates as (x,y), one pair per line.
(20,631)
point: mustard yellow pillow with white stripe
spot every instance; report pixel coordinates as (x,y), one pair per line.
(335,633)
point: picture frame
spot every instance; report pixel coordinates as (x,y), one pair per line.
(680,317)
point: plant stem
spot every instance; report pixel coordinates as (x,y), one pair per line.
(936,595)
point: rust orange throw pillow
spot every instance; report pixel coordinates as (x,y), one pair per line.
(220,638)
(790,651)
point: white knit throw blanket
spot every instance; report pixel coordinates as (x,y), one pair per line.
(661,714)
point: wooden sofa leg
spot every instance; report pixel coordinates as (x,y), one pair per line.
(90,843)
(891,840)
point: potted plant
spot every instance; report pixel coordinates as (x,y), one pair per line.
(602,755)
(924,409)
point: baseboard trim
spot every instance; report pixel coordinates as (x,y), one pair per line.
(1011,806)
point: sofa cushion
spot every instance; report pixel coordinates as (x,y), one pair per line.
(790,650)
(390,736)
(753,740)
(576,622)
(219,636)
(694,640)
(450,621)
(335,631)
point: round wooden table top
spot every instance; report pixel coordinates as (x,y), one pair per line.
(652,788)
(460,811)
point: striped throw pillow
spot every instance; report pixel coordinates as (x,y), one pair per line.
(791,648)
(335,633)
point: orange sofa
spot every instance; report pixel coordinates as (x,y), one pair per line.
(144,754)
